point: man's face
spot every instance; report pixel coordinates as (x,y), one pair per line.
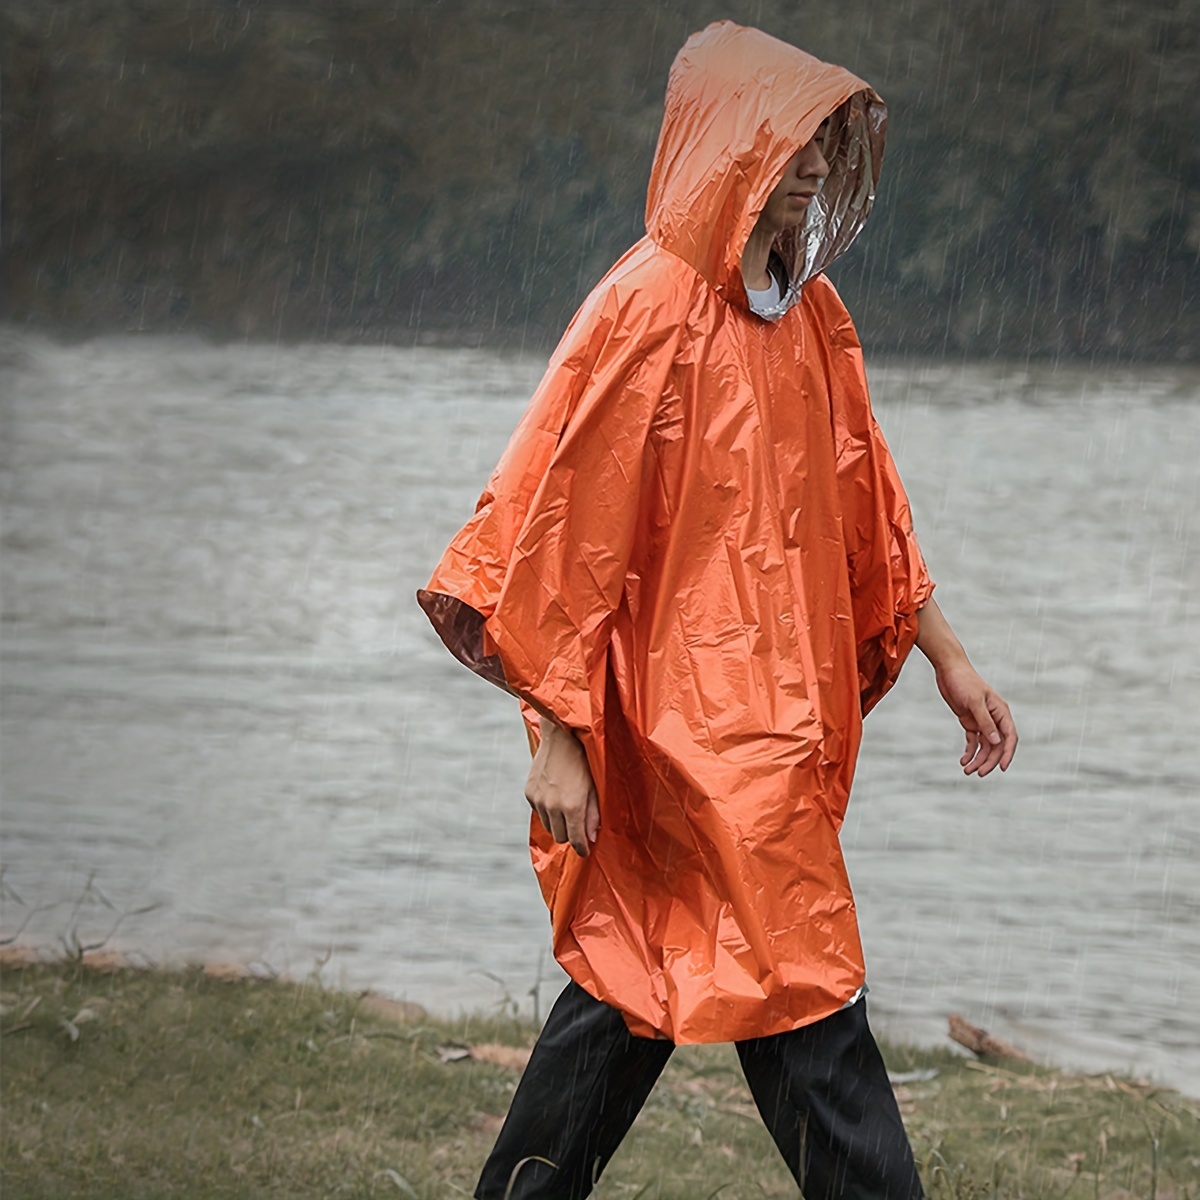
(787,205)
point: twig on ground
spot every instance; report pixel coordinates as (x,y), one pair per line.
(980,1042)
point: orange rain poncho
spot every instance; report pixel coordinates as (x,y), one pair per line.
(696,553)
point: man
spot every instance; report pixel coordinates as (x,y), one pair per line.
(695,566)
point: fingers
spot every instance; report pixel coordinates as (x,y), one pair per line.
(591,821)
(574,823)
(985,724)
(552,821)
(576,832)
(560,827)
(985,755)
(970,749)
(994,740)
(542,816)
(1008,732)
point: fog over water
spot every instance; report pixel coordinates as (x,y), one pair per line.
(220,699)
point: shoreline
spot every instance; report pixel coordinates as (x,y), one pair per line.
(889,1026)
(123,1082)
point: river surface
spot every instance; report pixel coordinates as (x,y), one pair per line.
(229,733)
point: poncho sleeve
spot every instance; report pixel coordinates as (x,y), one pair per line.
(526,592)
(889,582)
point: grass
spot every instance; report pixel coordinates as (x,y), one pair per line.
(149,1084)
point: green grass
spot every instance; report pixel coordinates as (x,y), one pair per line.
(147,1084)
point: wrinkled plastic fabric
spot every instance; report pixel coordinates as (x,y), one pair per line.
(696,553)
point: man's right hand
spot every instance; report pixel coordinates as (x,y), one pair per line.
(561,791)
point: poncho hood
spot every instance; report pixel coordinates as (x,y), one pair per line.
(739,104)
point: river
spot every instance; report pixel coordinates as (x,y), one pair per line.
(229,733)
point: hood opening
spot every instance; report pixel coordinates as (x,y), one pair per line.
(739,104)
(839,210)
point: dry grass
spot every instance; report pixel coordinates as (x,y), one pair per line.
(145,1084)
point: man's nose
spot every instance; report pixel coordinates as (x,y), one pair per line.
(811,161)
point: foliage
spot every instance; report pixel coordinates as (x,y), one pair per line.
(469,168)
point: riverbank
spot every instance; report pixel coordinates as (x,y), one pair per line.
(140,1084)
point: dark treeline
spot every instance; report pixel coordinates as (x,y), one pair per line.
(467,169)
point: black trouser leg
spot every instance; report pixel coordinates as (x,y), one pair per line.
(824,1093)
(587,1080)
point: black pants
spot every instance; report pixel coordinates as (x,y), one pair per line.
(822,1090)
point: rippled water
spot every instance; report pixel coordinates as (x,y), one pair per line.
(220,700)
